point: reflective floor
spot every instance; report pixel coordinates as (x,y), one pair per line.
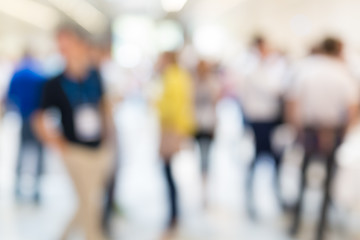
(140,194)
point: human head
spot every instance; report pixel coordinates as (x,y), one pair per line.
(203,68)
(171,57)
(166,59)
(260,43)
(72,42)
(316,49)
(332,47)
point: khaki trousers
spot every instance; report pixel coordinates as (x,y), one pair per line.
(89,170)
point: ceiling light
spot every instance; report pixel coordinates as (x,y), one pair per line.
(210,40)
(173,5)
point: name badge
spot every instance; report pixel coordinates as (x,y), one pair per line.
(87,123)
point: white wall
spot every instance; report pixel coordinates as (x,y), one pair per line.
(290,24)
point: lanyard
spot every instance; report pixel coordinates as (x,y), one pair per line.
(77,92)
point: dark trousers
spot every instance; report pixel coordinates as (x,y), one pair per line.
(171,191)
(262,134)
(311,144)
(109,202)
(109,194)
(204,139)
(28,138)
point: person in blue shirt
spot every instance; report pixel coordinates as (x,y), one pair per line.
(24,96)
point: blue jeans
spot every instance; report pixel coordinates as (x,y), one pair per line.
(262,134)
(28,138)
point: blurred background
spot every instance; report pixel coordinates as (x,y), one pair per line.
(220,38)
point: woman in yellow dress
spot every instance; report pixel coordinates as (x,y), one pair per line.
(175,108)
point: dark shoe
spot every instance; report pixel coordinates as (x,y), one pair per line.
(294,230)
(287,208)
(173,224)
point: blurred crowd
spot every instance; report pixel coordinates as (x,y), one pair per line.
(70,109)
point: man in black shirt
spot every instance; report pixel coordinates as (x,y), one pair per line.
(83,138)
(79,103)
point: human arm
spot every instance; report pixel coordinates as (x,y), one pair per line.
(46,132)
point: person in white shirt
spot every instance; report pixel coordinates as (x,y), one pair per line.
(323,103)
(261,90)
